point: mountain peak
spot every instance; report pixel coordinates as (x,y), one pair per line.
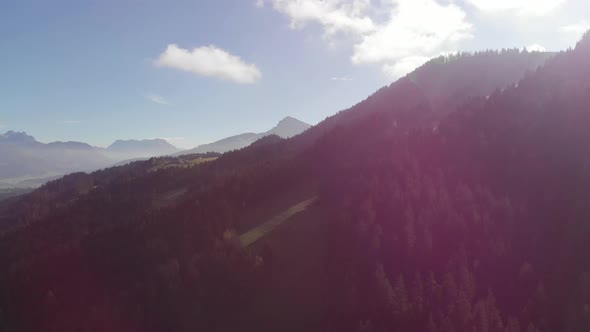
(15,137)
(289,119)
(288,127)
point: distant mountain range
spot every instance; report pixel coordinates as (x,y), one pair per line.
(12,137)
(26,162)
(286,128)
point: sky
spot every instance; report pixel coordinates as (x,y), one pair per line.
(196,71)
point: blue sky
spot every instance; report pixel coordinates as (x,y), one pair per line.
(196,71)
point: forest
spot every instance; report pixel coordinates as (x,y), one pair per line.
(455,199)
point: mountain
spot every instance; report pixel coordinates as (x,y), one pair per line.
(286,128)
(28,163)
(142,148)
(21,138)
(451,206)
(224,145)
(71,145)
(437,88)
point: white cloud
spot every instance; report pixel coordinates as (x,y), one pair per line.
(416,31)
(157,99)
(349,16)
(572,33)
(259,3)
(577,28)
(209,61)
(536,48)
(520,7)
(398,35)
(68,122)
(343,78)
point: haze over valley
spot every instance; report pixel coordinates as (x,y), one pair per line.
(28,163)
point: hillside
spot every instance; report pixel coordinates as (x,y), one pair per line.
(436,89)
(452,200)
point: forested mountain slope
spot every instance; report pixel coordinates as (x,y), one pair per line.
(436,211)
(432,91)
(477,224)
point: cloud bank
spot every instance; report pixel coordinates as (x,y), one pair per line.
(401,35)
(209,61)
(415,31)
(334,15)
(398,35)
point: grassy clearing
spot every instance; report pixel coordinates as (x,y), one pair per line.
(169,198)
(260,231)
(290,294)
